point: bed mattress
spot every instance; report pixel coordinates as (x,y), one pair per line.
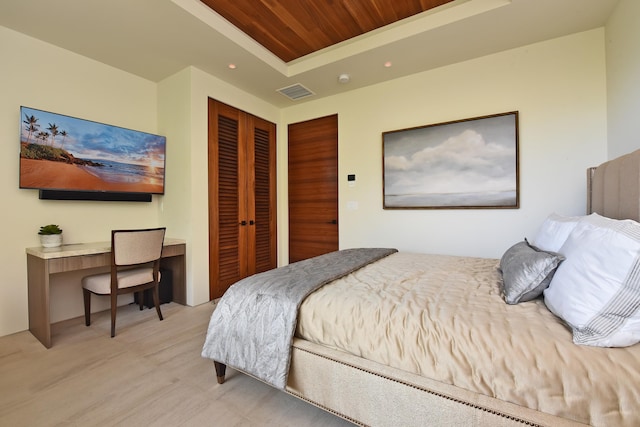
(444,318)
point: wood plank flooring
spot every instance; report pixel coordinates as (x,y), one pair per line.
(150,374)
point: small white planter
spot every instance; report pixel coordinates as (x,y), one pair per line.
(51,240)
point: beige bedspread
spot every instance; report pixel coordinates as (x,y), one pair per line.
(443,317)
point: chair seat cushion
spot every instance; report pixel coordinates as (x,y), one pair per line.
(101,283)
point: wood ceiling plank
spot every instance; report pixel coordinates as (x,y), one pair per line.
(291,29)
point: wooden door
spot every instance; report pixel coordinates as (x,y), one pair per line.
(262,195)
(242,196)
(313,187)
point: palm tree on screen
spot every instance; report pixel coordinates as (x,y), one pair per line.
(64,135)
(43,136)
(53,128)
(32,125)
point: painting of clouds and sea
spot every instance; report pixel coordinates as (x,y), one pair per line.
(470,163)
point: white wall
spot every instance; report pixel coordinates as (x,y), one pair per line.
(42,76)
(623,78)
(557,86)
(174,116)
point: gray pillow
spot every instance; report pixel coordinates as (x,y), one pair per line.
(527,271)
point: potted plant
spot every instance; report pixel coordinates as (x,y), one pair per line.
(50,236)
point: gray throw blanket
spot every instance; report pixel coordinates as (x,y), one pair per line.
(253,325)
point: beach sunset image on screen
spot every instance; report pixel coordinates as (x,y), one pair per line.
(59,152)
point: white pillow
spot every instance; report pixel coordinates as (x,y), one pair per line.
(596,290)
(554,232)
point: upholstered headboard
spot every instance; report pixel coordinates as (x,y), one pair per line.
(613,188)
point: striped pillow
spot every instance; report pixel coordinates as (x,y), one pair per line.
(596,290)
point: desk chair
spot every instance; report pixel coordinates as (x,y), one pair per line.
(135,263)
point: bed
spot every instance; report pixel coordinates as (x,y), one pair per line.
(545,336)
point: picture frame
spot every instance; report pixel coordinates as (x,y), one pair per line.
(463,164)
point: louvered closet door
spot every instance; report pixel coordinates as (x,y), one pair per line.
(262,193)
(224,198)
(241,196)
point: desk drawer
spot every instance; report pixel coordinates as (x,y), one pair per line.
(173,250)
(60,265)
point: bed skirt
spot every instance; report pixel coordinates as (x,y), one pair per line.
(370,394)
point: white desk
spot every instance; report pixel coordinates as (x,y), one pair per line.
(42,262)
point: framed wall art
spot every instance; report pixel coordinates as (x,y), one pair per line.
(462,164)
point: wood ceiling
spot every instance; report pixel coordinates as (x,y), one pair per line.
(291,29)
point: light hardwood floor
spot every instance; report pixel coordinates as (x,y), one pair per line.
(150,374)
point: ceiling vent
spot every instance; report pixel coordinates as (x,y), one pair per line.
(295,91)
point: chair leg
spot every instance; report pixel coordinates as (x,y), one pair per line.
(140,299)
(156,301)
(87,306)
(114,304)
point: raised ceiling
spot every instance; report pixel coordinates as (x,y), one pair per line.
(291,29)
(155,39)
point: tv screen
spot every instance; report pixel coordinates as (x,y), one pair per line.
(64,153)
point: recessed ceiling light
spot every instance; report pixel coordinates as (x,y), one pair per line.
(388,64)
(344,78)
(232,66)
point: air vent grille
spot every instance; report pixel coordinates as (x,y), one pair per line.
(296,91)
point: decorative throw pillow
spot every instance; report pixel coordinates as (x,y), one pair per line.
(596,291)
(527,271)
(554,232)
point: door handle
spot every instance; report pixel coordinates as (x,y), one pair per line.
(252,222)
(243,222)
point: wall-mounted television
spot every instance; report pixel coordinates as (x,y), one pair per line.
(75,159)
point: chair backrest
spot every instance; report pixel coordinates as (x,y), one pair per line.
(129,247)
